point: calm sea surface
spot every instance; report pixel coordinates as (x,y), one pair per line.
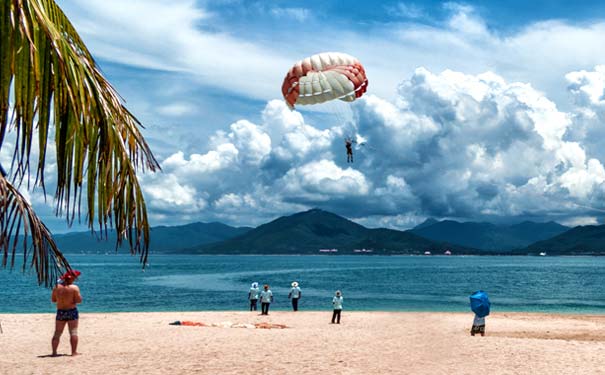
(396,283)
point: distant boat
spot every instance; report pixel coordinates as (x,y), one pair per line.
(427,253)
(542,254)
(447,252)
(363,251)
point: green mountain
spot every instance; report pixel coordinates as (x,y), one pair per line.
(487,236)
(163,238)
(314,230)
(582,240)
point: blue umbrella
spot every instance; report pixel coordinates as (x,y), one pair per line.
(480,303)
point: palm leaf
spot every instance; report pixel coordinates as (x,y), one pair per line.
(17,216)
(48,77)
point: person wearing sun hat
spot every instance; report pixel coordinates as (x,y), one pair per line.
(66,295)
(295,295)
(253,296)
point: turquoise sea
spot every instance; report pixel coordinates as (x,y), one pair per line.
(394,283)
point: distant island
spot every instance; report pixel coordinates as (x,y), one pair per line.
(320,232)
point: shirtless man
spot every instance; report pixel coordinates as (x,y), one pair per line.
(66,295)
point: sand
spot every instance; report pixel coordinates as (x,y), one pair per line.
(365,343)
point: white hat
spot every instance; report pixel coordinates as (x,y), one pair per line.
(294,284)
(254,284)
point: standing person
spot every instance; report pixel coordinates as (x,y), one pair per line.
(478,325)
(295,294)
(337,305)
(481,306)
(67,295)
(266,297)
(253,296)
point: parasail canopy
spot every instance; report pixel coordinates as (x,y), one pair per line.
(323,77)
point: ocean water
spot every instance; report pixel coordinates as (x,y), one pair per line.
(116,282)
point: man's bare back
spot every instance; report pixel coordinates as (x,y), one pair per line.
(66,296)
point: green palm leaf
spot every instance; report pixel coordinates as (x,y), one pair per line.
(16,216)
(48,77)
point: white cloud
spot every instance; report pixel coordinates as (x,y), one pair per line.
(176,109)
(470,147)
(166,35)
(580,220)
(323,179)
(581,181)
(222,157)
(487,145)
(299,14)
(183,36)
(588,88)
(465,21)
(234,202)
(460,143)
(406,10)
(166,193)
(252,143)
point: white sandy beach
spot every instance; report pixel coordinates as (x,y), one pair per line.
(365,343)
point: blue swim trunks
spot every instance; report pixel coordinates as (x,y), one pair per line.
(71,314)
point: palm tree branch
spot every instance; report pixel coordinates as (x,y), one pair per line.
(54,81)
(36,241)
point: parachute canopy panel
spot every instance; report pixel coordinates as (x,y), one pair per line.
(323,77)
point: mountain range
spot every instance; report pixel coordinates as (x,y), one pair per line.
(314,230)
(163,238)
(581,240)
(487,236)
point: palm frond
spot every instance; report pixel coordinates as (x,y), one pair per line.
(54,81)
(16,217)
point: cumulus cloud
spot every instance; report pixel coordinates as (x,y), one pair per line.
(488,145)
(167,193)
(322,179)
(445,140)
(588,88)
(452,145)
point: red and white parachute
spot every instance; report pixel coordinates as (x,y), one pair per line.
(323,77)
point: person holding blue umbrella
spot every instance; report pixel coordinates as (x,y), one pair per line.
(480,305)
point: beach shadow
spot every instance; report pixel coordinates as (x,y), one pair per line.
(54,356)
(579,335)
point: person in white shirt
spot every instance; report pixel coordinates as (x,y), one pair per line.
(478,325)
(266,297)
(253,296)
(295,295)
(337,305)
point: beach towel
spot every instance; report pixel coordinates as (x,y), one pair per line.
(262,325)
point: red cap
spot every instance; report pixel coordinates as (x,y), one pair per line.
(72,275)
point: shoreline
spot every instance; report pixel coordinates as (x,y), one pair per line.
(349,254)
(365,343)
(285,310)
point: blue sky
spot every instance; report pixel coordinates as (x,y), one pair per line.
(475,111)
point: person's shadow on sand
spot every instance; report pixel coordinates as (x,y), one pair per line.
(54,356)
